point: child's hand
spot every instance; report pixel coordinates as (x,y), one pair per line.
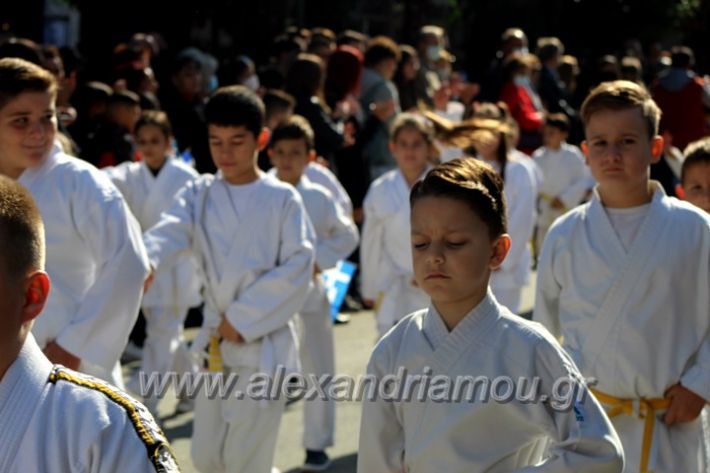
(228,332)
(149,280)
(685,405)
(60,356)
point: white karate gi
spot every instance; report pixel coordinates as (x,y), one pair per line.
(336,238)
(175,288)
(95,258)
(318,174)
(386,251)
(520,189)
(257,268)
(566,177)
(422,434)
(635,320)
(54,420)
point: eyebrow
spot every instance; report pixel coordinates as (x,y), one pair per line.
(230,137)
(23,113)
(630,133)
(447,231)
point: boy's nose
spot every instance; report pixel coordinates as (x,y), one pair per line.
(37,131)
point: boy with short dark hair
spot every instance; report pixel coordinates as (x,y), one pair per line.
(254,245)
(566,178)
(624,279)
(695,174)
(95,255)
(53,419)
(291,150)
(112,144)
(278,106)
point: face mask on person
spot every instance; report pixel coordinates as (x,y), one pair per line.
(252,82)
(521,81)
(433,53)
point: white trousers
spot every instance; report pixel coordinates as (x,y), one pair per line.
(235,435)
(318,358)
(545,218)
(164,348)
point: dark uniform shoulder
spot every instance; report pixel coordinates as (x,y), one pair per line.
(147,429)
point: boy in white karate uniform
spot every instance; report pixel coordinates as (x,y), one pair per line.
(624,279)
(490,135)
(566,178)
(291,148)
(387,277)
(95,254)
(254,244)
(149,187)
(458,238)
(52,419)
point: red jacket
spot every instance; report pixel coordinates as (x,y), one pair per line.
(521,107)
(683,114)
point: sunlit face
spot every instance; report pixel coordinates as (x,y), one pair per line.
(696,185)
(153,146)
(234,152)
(290,158)
(28,126)
(410,150)
(553,137)
(486,144)
(618,149)
(452,251)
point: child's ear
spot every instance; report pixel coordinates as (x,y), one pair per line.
(312,155)
(501,247)
(263,138)
(679,191)
(391,146)
(657,146)
(36,292)
(585,150)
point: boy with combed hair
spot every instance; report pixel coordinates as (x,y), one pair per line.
(623,280)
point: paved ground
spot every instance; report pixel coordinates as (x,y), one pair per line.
(353,344)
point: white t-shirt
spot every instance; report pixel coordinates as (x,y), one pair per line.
(239,197)
(627,222)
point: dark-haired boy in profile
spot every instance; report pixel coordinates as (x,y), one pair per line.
(255,246)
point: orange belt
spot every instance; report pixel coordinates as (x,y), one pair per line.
(646,410)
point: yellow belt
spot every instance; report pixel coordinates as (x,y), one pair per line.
(646,410)
(214,356)
(378,302)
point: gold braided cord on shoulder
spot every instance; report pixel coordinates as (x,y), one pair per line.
(155,443)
